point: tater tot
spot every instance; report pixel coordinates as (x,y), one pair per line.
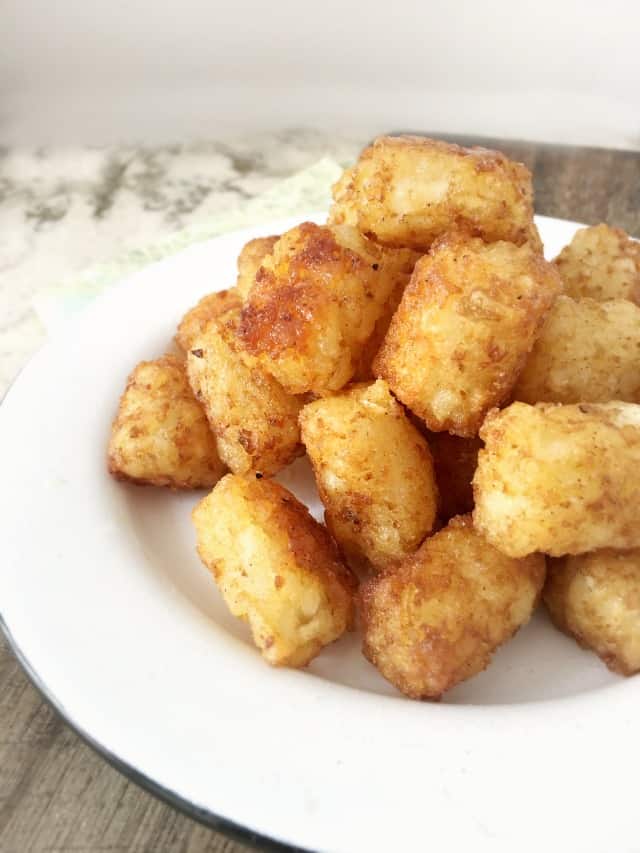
(344,210)
(466,323)
(254,419)
(370,348)
(601,262)
(587,352)
(208,308)
(595,598)
(161,436)
(436,620)
(374,474)
(559,479)
(455,461)
(409,190)
(315,304)
(249,261)
(399,265)
(276,568)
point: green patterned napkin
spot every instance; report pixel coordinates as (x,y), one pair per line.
(297,195)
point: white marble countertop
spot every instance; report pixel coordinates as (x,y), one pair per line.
(64,209)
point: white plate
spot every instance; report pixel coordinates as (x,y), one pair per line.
(121,627)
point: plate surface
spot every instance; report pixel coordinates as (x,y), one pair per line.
(113,615)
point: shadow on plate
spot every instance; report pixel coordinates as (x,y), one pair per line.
(537,665)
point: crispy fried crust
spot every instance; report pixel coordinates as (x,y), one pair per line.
(315,304)
(603,263)
(435,620)
(249,261)
(408,191)
(455,461)
(254,419)
(208,308)
(344,210)
(596,599)
(466,323)
(587,352)
(160,436)
(395,267)
(371,347)
(374,474)
(276,568)
(559,479)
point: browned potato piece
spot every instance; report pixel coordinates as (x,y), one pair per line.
(559,479)
(400,263)
(316,302)
(587,352)
(435,620)
(408,190)
(249,261)
(343,210)
(601,262)
(466,323)
(276,568)
(254,419)
(596,599)
(455,460)
(161,436)
(210,306)
(366,356)
(374,474)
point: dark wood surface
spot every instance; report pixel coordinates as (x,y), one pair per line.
(56,794)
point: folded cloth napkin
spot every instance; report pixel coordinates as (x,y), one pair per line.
(303,192)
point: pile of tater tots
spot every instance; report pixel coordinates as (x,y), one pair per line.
(471,412)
